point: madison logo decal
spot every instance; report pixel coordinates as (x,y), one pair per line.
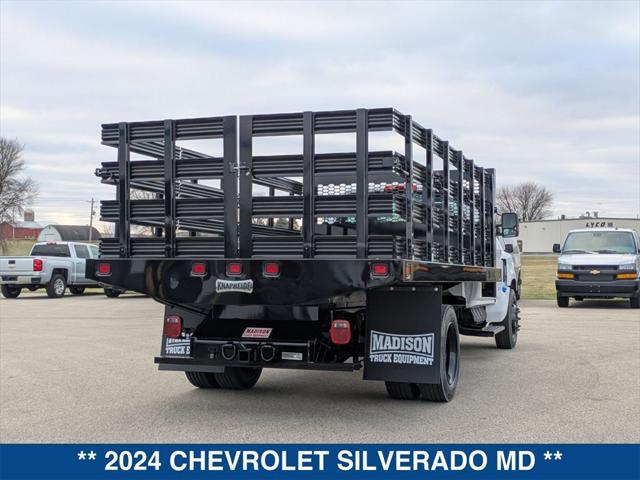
(403,349)
(243,286)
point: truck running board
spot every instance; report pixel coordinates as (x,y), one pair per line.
(488,331)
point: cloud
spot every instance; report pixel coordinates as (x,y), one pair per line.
(543,91)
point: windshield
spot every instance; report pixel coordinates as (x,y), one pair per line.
(599,242)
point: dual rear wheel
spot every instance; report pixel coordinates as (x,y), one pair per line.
(233,378)
(449,361)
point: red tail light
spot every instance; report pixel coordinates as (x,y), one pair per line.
(340,332)
(172,326)
(37,265)
(198,269)
(103,270)
(234,269)
(271,269)
(379,270)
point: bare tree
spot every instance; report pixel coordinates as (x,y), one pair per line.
(16,190)
(531,201)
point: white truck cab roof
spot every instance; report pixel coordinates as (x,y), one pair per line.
(607,229)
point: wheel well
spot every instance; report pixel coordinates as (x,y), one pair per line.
(62,272)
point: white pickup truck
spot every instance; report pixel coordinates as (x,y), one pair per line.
(54,266)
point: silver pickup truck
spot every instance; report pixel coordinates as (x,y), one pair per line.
(54,266)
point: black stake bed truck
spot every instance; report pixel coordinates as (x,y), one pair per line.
(310,259)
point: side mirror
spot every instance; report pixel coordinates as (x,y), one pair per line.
(509,224)
(508,248)
(556,248)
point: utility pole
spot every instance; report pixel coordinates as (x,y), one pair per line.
(91,220)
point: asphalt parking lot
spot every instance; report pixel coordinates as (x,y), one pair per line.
(80,369)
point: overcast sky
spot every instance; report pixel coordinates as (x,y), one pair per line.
(542,91)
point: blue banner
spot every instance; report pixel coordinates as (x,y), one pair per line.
(349,461)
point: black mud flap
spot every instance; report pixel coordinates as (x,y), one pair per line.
(403,334)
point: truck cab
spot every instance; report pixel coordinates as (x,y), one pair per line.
(598,263)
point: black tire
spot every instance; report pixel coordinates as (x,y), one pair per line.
(56,286)
(634,302)
(445,389)
(202,379)
(402,391)
(508,337)
(563,302)
(112,292)
(519,287)
(10,292)
(76,290)
(238,378)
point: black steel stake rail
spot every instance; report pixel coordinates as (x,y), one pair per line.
(329,205)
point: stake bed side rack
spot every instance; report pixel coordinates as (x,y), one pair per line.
(313,204)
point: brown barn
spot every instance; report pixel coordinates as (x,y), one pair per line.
(20,230)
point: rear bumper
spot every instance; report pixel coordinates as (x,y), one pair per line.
(20,280)
(209,356)
(615,288)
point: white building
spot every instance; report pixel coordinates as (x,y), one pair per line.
(68,233)
(539,236)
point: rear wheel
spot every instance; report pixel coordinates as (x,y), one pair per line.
(9,291)
(112,292)
(508,337)
(57,286)
(402,391)
(202,379)
(76,290)
(634,302)
(238,378)
(563,302)
(445,389)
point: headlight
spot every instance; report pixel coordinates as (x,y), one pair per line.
(628,267)
(563,266)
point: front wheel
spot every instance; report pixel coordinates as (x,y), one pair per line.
(563,302)
(634,302)
(76,290)
(57,286)
(445,389)
(508,337)
(10,292)
(112,292)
